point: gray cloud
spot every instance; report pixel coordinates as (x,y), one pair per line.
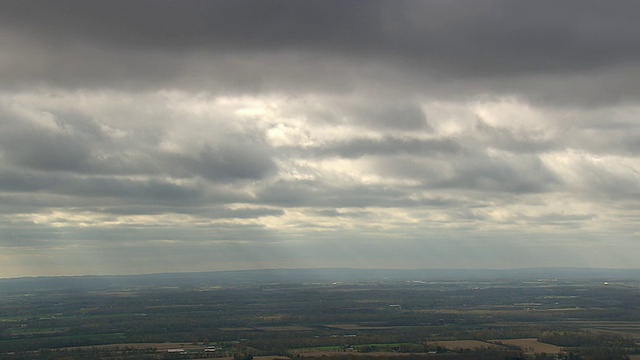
(517,174)
(46,151)
(248,131)
(524,141)
(396,116)
(142,190)
(241,159)
(310,194)
(504,37)
(502,46)
(391,145)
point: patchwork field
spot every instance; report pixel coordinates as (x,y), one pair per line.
(465,344)
(622,328)
(532,346)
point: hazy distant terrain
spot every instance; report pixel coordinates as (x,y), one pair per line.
(241,277)
(325,313)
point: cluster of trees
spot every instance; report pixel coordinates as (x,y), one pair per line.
(115,352)
(584,345)
(585,339)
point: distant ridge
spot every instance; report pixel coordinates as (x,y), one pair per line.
(267,276)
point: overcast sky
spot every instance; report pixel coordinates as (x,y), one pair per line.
(158,136)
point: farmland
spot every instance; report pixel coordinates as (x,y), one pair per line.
(383,319)
(533,346)
(464,344)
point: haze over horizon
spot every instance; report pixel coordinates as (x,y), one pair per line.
(161,136)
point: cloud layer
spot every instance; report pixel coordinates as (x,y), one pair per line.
(178,136)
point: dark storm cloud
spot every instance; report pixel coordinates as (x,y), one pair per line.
(123,40)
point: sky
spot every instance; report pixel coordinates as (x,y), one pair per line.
(141,136)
